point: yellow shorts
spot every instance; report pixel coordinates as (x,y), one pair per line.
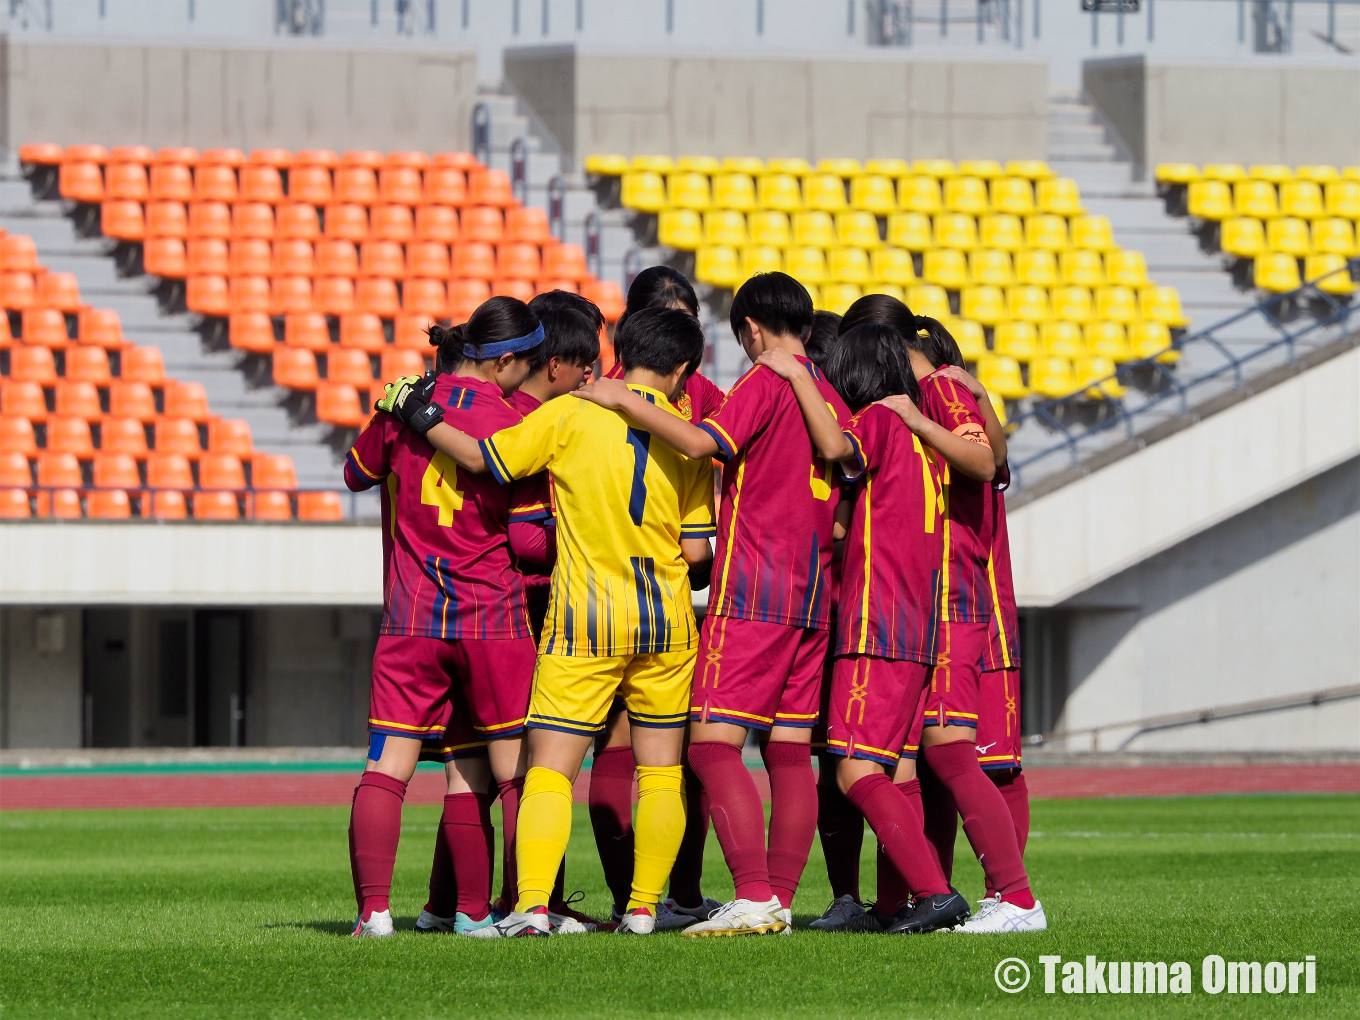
(572,693)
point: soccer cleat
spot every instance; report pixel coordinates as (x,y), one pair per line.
(378,926)
(515,925)
(931,913)
(637,922)
(670,916)
(785,914)
(567,921)
(874,920)
(741,917)
(464,925)
(1005,917)
(428,923)
(836,917)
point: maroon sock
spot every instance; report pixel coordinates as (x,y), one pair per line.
(611,818)
(471,841)
(1011,783)
(841,829)
(793,814)
(688,872)
(559,889)
(510,790)
(375,828)
(941,816)
(738,817)
(893,889)
(889,814)
(986,820)
(443,901)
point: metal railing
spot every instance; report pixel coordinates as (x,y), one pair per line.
(1333,320)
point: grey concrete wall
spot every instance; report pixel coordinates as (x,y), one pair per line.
(899,104)
(1260,110)
(299,95)
(40,690)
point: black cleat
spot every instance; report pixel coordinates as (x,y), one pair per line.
(873,920)
(931,913)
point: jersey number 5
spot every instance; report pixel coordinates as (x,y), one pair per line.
(439,488)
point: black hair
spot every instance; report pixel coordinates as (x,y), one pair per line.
(567,334)
(937,344)
(557,300)
(868,362)
(496,319)
(825,326)
(775,300)
(660,340)
(655,287)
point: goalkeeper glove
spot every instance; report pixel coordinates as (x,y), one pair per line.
(409,400)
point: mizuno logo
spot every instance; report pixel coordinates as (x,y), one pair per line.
(984,748)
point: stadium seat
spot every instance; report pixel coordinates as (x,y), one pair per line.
(369,158)
(956,230)
(59,290)
(1255,198)
(890,167)
(269,506)
(356,185)
(1001,375)
(1082,267)
(779,191)
(18,254)
(1029,304)
(1275,173)
(307,330)
(1242,237)
(736,191)
(1328,271)
(298,221)
(1230,172)
(1116,304)
(252,332)
(208,256)
(272,471)
(528,224)
(1109,340)
(1333,236)
(483,223)
(261,184)
(59,469)
(178,435)
(88,364)
(186,400)
(947,267)
(873,194)
(445,186)
(607,295)
(382,258)
(644,191)
(116,471)
(170,219)
(1162,304)
(1013,195)
(1061,339)
(320,506)
(17,436)
(346,222)
(1096,374)
(1018,340)
(424,297)
(893,265)
(814,228)
(249,294)
(100,327)
(919,194)
(77,400)
(250,257)
(1126,268)
(40,154)
(969,336)
(795,166)
(122,220)
(857,230)
(490,187)
(22,399)
(315,157)
(1092,232)
(80,182)
(837,297)
(1301,198)
(392,223)
(760,258)
(1052,377)
(214,184)
(109,505)
(410,331)
(1059,196)
(378,295)
(805,264)
(333,295)
(339,405)
(252,219)
(910,230)
(71,435)
(1316,172)
(466,294)
(966,195)
(132,400)
(62,503)
(752,166)
(45,327)
(565,262)
(295,369)
(165,256)
(437,223)
(1001,231)
(397,362)
(1036,266)
(848,265)
(1289,235)
(230,435)
(293,257)
(1210,200)
(215,506)
(427,259)
(825,192)
(171,182)
(400,185)
(225,157)
(724,226)
(1343,198)
(676,228)
(336,258)
(983,304)
(1071,304)
(769,226)
(33,364)
(687,191)
(221,471)
(167,506)
(362,331)
(983,168)
(210,219)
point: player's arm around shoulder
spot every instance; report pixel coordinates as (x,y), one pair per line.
(369,460)
(693,441)
(820,417)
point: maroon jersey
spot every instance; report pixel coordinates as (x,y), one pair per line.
(446,558)
(778,504)
(1003,633)
(894,549)
(536,504)
(700,399)
(964,590)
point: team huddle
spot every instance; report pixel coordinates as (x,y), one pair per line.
(543,535)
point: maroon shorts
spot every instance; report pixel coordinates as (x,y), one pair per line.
(461,692)
(875,704)
(757,674)
(952,694)
(998,728)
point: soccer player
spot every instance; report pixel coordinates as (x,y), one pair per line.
(888,617)
(454,660)
(764,639)
(634,517)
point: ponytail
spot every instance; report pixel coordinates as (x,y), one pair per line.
(920,332)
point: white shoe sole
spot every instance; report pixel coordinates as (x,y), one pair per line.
(763,929)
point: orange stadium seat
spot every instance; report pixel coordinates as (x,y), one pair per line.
(412,331)
(320,506)
(63,504)
(18,254)
(349,366)
(362,331)
(214,183)
(295,369)
(445,186)
(125,180)
(370,158)
(291,294)
(77,400)
(411,158)
(132,400)
(86,154)
(131,154)
(186,400)
(518,262)
(45,327)
(88,364)
(224,157)
(570,286)
(209,256)
(607,295)
(41,154)
(100,327)
(346,222)
(391,223)
(210,219)
(278,158)
(22,398)
(261,184)
(17,290)
(298,221)
(122,435)
(565,261)
(71,435)
(109,504)
(207,295)
(400,185)
(250,257)
(269,506)
(80,181)
(252,332)
(60,291)
(337,404)
(337,258)
(171,182)
(33,364)
(272,471)
(221,471)
(250,294)
(490,187)
(355,184)
(461,160)
(58,469)
(437,223)
(424,297)
(381,258)
(215,506)
(473,260)
(16,434)
(524,290)
(14,504)
(168,219)
(316,157)
(167,506)
(377,294)
(122,220)
(397,362)
(310,184)
(428,259)
(116,471)
(307,330)
(294,257)
(483,223)
(230,435)
(333,295)
(165,256)
(252,219)
(529,224)
(14,470)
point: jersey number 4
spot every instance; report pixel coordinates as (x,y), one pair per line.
(439,488)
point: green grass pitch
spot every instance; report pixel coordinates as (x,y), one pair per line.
(243,912)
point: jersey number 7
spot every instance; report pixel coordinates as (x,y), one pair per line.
(439,488)
(640,441)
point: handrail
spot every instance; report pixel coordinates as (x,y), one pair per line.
(1049,412)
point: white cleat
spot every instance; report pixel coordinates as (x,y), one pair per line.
(514,925)
(563,925)
(670,916)
(785,914)
(637,922)
(836,917)
(1005,917)
(428,923)
(378,926)
(742,917)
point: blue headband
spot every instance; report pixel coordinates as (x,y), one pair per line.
(512,346)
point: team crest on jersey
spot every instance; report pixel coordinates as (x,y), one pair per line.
(684,407)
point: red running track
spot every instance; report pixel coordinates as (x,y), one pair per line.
(286,789)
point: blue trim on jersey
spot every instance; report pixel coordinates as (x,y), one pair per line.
(651,631)
(651,725)
(363,476)
(493,461)
(840,752)
(725,452)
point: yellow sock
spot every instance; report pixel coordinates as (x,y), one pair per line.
(657,833)
(541,838)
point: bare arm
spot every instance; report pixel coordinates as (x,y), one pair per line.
(696,550)
(840,527)
(823,429)
(464,450)
(669,428)
(967,456)
(996,435)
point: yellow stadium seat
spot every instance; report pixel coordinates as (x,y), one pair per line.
(1333,237)
(1061,339)
(1082,267)
(797,166)
(999,406)
(644,191)
(873,193)
(687,191)
(890,289)
(707,165)
(1001,375)
(1210,200)
(815,228)
(1060,196)
(734,191)
(769,227)
(1030,169)
(1052,377)
(955,230)
(1071,304)
(840,167)
(848,265)
(927,299)
(910,230)
(1048,232)
(607,165)
(986,305)
(652,164)
(1230,172)
(751,166)
(1343,199)
(1350,173)
(837,297)
(893,265)
(1162,304)
(1118,304)
(1013,195)
(814,292)
(857,230)
(887,167)
(779,191)
(1255,198)
(805,264)
(947,267)
(1315,267)
(1029,304)
(760,258)
(941,169)
(919,194)
(1243,237)
(1126,268)
(1001,231)
(970,337)
(1177,173)
(718,266)
(1109,340)
(984,168)
(1275,173)
(966,195)
(1152,340)
(679,228)
(1018,340)
(824,191)
(1288,235)
(992,267)
(1092,232)
(1037,267)
(1301,198)
(1315,172)
(1096,373)
(725,226)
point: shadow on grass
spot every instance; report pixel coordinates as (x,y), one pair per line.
(345,928)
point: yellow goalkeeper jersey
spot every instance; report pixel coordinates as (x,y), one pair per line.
(624,501)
